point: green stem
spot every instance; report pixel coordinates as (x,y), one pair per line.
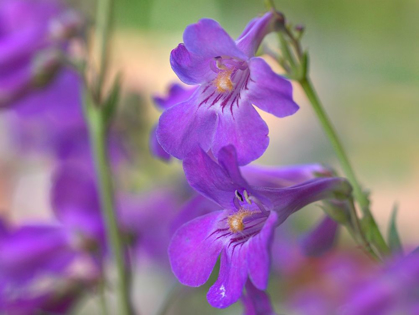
(102,296)
(98,133)
(102,35)
(375,235)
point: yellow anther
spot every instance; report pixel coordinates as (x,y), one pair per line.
(235,221)
(223,81)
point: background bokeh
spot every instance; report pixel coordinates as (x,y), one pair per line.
(364,58)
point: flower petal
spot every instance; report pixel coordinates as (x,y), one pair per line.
(249,41)
(321,239)
(227,158)
(286,201)
(259,253)
(256,302)
(192,252)
(14,86)
(176,94)
(155,147)
(195,207)
(269,91)
(185,126)
(272,176)
(75,202)
(245,130)
(59,103)
(191,68)
(73,188)
(208,39)
(210,179)
(32,250)
(232,277)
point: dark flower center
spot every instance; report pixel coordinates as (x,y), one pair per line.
(231,80)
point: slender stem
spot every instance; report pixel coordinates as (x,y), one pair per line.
(360,196)
(102,35)
(102,296)
(97,132)
(97,125)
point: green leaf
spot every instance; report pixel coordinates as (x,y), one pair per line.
(393,235)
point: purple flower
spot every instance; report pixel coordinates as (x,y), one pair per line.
(31,251)
(37,270)
(75,202)
(51,121)
(242,232)
(229,79)
(147,218)
(55,301)
(350,285)
(394,291)
(31,31)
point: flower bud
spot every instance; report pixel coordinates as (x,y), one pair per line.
(299,28)
(67,25)
(45,66)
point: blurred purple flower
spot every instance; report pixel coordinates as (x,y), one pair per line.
(48,115)
(146,219)
(37,270)
(229,79)
(29,251)
(394,291)
(349,285)
(320,239)
(242,232)
(31,32)
(256,302)
(75,202)
(55,301)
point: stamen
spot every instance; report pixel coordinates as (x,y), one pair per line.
(235,221)
(238,195)
(246,197)
(219,63)
(259,204)
(223,81)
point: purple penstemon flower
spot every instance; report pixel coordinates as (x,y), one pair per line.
(229,80)
(242,232)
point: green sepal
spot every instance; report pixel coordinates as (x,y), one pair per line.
(337,211)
